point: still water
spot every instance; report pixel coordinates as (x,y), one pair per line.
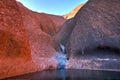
(70,74)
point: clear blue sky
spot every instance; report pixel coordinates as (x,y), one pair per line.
(58,7)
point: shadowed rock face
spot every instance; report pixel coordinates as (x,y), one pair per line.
(58,21)
(65,32)
(13,40)
(97,25)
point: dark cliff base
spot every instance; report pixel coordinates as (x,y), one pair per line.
(97,60)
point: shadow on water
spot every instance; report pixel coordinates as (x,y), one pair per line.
(70,74)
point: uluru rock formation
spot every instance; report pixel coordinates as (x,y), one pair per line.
(64,34)
(48,23)
(13,40)
(74,11)
(36,26)
(26,43)
(92,37)
(95,25)
(64,29)
(31,41)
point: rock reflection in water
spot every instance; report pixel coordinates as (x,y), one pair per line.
(70,74)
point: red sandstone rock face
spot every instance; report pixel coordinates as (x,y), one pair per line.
(36,26)
(58,21)
(39,20)
(49,24)
(74,11)
(17,56)
(13,40)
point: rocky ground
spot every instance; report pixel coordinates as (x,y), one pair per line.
(95,61)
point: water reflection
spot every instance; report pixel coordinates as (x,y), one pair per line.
(62,74)
(71,74)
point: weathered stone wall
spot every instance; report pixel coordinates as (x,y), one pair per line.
(13,40)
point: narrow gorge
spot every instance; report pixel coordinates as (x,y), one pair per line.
(87,38)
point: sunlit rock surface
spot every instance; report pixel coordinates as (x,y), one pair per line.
(74,11)
(48,23)
(26,44)
(42,44)
(39,21)
(13,41)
